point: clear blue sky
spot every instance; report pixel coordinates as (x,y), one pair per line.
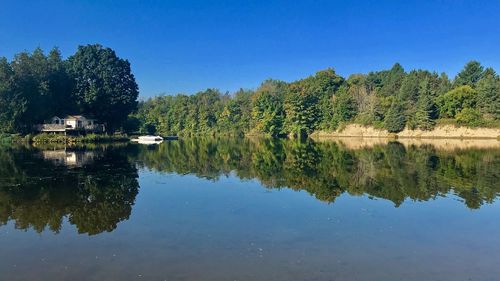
(186,46)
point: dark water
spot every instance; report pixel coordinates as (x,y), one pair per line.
(206,209)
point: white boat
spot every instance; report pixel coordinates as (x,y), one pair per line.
(148,140)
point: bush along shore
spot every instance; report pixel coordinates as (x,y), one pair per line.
(13,138)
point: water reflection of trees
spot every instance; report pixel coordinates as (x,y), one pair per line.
(326,170)
(37,193)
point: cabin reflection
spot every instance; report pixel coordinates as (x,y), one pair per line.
(93,189)
(69,158)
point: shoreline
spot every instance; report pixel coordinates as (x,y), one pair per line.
(351,131)
(59,138)
(396,137)
(442,132)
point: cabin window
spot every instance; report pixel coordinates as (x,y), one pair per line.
(56,121)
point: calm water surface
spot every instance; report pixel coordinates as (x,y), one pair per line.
(217,209)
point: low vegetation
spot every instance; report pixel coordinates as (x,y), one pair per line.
(90,138)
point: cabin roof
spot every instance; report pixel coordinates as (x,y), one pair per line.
(74,117)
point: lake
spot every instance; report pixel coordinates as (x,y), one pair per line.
(251,209)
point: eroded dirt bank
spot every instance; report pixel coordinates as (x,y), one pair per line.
(448,131)
(443,137)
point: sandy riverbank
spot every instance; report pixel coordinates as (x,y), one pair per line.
(440,132)
(442,137)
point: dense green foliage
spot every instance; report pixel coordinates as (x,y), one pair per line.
(105,86)
(392,99)
(94,81)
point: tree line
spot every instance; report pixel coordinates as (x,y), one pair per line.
(393,99)
(95,81)
(35,86)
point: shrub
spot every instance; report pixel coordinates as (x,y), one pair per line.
(469,117)
(90,138)
(49,138)
(456,100)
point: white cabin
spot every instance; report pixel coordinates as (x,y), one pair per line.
(69,123)
(74,121)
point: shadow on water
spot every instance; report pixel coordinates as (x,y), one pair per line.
(95,187)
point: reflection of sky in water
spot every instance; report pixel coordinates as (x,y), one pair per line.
(183,227)
(186,228)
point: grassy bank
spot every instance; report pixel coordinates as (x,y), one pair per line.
(90,138)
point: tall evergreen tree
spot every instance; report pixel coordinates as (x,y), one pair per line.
(391,81)
(11,104)
(426,109)
(61,85)
(444,84)
(470,74)
(33,80)
(395,120)
(488,88)
(344,107)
